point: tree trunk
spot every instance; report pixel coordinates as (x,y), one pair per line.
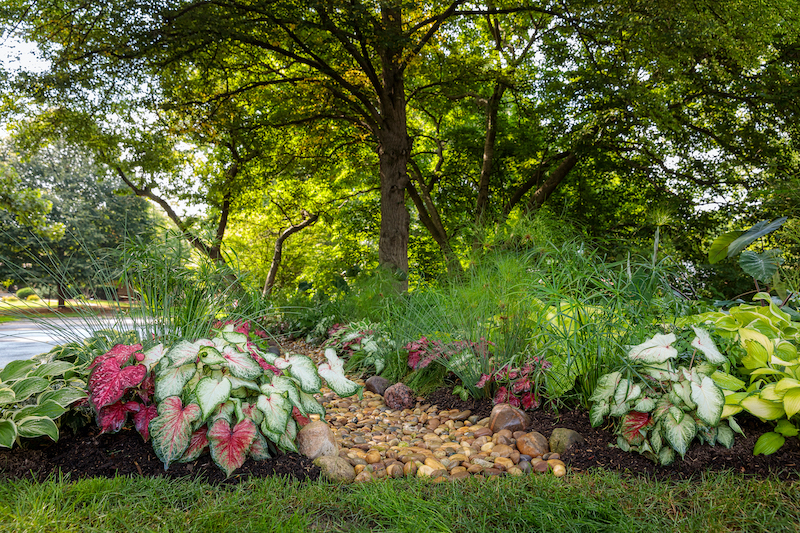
(490,140)
(278,253)
(556,177)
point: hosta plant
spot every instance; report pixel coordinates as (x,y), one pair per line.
(33,396)
(222,394)
(772,367)
(362,344)
(674,392)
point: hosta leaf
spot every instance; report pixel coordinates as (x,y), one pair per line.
(768,443)
(16,369)
(241,364)
(729,410)
(8,433)
(27,387)
(108,382)
(112,417)
(709,400)
(727,381)
(171,380)
(64,396)
(303,370)
(725,435)
(198,443)
(172,429)
(791,401)
(229,446)
(276,408)
(55,368)
(598,412)
(47,408)
(786,428)
(606,386)
(142,419)
(37,426)
(7,396)
(679,433)
(212,392)
(763,409)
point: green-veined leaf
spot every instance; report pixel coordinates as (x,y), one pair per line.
(16,369)
(36,426)
(768,443)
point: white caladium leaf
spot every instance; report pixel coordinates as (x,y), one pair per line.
(241,364)
(679,432)
(333,373)
(598,412)
(283,385)
(705,344)
(626,391)
(644,405)
(234,337)
(171,430)
(709,399)
(211,356)
(661,372)
(171,380)
(656,350)
(276,408)
(184,352)
(683,390)
(212,392)
(153,356)
(246,383)
(269,357)
(725,435)
(606,386)
(666,456)
(286,442)
(302,369)
(310,405)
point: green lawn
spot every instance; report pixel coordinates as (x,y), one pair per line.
(598,501)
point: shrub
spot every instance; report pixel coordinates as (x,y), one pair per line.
(24,292)
(32,298)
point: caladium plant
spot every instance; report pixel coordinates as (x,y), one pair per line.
(226,394)
(674,392)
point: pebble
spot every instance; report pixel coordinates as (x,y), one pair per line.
(423,441)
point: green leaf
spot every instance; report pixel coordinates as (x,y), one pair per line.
(727,381)
(761,266)
(719,248)
(48,408)
(666,456)
(791,401)
(64,396)
(211,356)
(7,396)
(212,392)
(37,426)
(598,412)
(16,369)
(55,368)
(679,432)
(786,428)
(755,232)
(8,433)
(709,399)
(27,387)
(768,443)
(763,409)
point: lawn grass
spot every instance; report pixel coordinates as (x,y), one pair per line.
(597,501)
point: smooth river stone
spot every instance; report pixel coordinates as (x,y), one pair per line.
(533,444)
(506,416)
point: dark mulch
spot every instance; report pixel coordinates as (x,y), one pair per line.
(597,452)
(88,454)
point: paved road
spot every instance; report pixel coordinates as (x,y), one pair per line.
(22,339)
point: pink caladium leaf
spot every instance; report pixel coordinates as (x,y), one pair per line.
(142,418)
(259,450)
(502,395)
(120,352)
(147,388)
(299,418)
(172,428)
(108,382)
(229,446)
(529,401)
(633,424)
(112,417)
(197,444)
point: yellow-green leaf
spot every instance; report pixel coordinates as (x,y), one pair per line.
(791,402)
(763,409)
